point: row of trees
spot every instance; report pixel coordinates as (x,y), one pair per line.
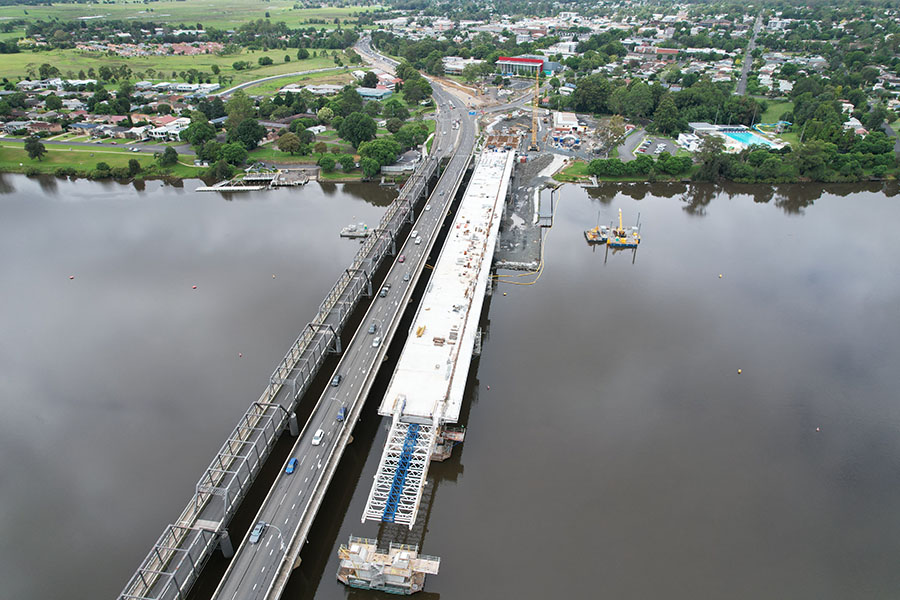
(816,160)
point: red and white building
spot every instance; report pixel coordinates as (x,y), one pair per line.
(525,67)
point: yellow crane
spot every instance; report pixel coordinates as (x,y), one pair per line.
(534,110)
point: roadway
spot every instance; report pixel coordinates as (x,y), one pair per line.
(748,59)
(290,505)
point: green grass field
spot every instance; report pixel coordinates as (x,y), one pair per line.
(14,159)
(160,68)
(221,14)
(775,110)
(272,87)
(574,172)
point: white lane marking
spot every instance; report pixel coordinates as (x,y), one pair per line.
(305,480)
(293,506)
(263,570)
(302,459)
(254,586)
(286,520)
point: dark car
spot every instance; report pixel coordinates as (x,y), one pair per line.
(342,413)
(257,532)
(336,381)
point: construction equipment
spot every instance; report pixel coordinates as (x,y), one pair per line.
(534,111)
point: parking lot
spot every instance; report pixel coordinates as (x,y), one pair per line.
(654,146)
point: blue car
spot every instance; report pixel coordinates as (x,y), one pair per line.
(342,413)
(291,466)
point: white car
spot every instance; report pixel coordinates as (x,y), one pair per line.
(317,439)
(376,342)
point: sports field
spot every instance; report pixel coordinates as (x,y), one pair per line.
(216,13)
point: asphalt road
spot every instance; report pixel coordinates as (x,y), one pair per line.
(748,59)
(255,567)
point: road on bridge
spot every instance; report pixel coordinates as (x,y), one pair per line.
(255,568)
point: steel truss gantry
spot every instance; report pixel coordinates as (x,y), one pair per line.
(400,479)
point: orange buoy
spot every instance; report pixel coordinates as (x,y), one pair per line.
(739,371)
(195,287)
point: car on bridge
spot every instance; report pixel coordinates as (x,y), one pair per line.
(291,466)
(258,531)
(376,342)
(342,413)
(402,258)
(336,381)
(317,439)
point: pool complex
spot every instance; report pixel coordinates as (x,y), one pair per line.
(747,138)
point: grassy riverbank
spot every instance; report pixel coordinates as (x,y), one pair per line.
(83,161)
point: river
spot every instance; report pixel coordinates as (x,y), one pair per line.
(638,425)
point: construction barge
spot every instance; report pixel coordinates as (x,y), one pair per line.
(354,230)
(399,570)
(615,237)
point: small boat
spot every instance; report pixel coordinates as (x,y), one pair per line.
(625,238)
(355,231)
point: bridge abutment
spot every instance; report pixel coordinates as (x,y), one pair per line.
(225,544)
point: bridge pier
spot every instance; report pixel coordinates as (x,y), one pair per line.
(292,423)
(225,544)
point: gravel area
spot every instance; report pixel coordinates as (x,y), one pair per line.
(519,246)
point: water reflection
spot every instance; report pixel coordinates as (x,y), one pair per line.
(6,186)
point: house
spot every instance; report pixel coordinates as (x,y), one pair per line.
(36,127)
(376,93)
(14,126)
(317,129)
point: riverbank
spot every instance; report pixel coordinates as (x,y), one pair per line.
(71,161)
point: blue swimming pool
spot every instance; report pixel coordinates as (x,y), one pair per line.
(748,139)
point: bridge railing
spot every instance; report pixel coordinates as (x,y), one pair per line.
(302,357)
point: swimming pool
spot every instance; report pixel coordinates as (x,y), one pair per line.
(748,139)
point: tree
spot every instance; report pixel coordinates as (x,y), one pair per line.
(302,54)
(393,125)
(35,148)
(372,108)
(233,153)
(369,166)
(238,108)
(320,148)
(412,134)
(287,58)
(168,158)
(592,94)
(264,61)
(325,115)
(711,156)
(48,71)
(53,102)
(471,72)
(289,142)
(394,109)
(612,133)
(134,166)
(667,119)
(370,79)
(248,133)
(416,90)
(327,163)
(383,150)
(209,152)
(347,162)
(198,133)
(357,128)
